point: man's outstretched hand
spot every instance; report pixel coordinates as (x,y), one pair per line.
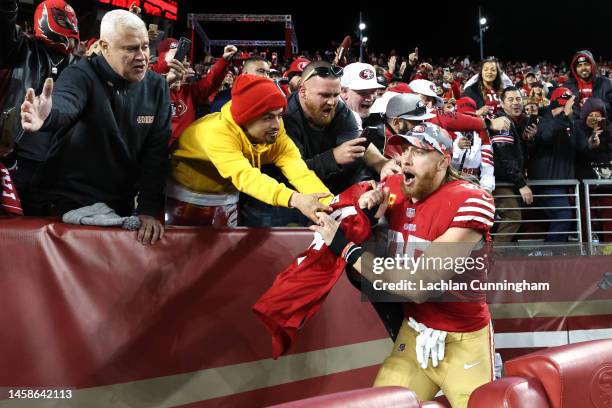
(36,109)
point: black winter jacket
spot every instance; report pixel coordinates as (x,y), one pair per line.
(316,145)
(110,139)
(509,153)
(553,150)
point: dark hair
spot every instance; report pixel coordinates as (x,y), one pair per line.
(508,89)
(497,82)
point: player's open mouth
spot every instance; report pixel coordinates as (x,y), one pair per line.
(408,178)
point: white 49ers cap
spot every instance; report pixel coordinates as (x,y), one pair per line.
(359,76)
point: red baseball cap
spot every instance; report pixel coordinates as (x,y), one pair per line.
(296,67)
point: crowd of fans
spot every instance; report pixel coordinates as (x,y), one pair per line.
(251,139)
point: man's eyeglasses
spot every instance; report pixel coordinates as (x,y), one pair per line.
(324,72)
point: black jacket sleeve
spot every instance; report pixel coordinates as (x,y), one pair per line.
(10,37)
(70,93)
(550,127)
(506,164)
(408,73)
(154,159)
(323,164)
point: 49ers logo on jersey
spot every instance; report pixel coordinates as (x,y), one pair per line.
(178,108)
(366,74)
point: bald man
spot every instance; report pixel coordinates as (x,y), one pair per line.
(111,122)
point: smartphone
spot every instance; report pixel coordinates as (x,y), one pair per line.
(182,49)
(369,133)
(153,28)
(532,120)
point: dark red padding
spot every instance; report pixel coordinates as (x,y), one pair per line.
(510,392)
(575,375)
(377,397)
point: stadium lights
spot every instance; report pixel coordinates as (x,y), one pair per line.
(482,27)
(362,38)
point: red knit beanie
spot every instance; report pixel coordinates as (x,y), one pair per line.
(253,96)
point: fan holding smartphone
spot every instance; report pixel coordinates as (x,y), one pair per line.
(186,93)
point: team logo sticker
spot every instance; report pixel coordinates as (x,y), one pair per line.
(178,108)
(302,65)
(601,387)
(402,347)
(366,74)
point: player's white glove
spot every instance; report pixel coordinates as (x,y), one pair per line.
(429,343)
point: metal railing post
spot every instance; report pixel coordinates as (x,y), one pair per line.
(578,215)
(587,210)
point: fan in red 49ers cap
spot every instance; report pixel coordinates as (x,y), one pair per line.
(294,72)
(186,95)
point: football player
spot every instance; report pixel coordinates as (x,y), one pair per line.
(430,211)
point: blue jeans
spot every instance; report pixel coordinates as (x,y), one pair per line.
(556,214)
(254,213)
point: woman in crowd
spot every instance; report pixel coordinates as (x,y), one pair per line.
(597,161)
(486,86)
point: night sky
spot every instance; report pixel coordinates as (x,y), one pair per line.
(527,30)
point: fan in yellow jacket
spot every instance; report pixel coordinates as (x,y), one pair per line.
(222,153)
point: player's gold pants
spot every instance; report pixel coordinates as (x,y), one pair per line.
(468,363)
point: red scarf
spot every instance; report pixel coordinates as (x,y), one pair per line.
(10,202)
(585,91)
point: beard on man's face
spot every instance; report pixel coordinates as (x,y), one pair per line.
(584,73)
(421,186)
(320,115)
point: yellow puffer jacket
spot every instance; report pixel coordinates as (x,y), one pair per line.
(214,156)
